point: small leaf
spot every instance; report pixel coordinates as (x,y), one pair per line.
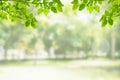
(27,23)
(75,6)
(46,10)
(97,8)
(100,1)
(85,1)
(34,1)
(20,5)
(3,15)
(59,8)
(74,2)
(33,25)
(90,9)
(82,6)
(110,1)
(106,13)
(54,9)
(58,2)
(110,21)
(40,10)
(51,3)
(37,5)
(104,23)
(103,17)
(33,22)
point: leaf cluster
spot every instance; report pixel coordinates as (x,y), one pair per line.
(110,15)
(20,10)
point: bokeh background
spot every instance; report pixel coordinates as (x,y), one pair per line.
(65,46)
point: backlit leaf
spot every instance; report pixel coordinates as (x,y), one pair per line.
(110,21)
(27,23)
(40,10)
(59,8)
(54,9)
(97,8)
(75,6)
(90,9)
(82,6)
(104,23)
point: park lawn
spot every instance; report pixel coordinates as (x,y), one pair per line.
(61,70)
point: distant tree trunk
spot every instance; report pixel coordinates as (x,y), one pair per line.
(5,54)
(113,44)
(64,55)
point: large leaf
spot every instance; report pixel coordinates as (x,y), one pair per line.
(90,9)
(75,6)
(40,10)
(74,2)
(97,8)
(59,8)
(110,21)
(104,22)
(27,23)
(46,10)
(82,6)
(54,9)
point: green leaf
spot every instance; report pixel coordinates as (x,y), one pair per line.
(102,18)
(82,6)
(104,22)
(33,22)
(46,10)
(33,25)
(37,5)
(85,1)
(110,1)
(106,13)
(20,5)
(3,15)
(90,9)
(97,8)
(58,2)
(74,2)
(110,21)
(40,10)
(75,6)
(54,9)
(59,8)
(31,15)
(27,23)
(51,3)
(100,1)
(34,1)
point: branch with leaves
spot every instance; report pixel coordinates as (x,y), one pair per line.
(19,10)
(112,13)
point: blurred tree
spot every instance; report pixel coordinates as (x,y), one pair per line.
(10,36)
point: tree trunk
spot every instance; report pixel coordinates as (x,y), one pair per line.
(5,54)
(113,44)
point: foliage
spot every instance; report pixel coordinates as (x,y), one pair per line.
(21,10)
(112,12)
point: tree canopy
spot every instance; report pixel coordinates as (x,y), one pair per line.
(22,10)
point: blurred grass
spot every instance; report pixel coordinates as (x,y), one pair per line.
(91,69)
